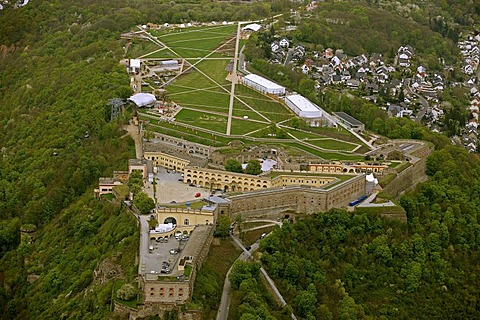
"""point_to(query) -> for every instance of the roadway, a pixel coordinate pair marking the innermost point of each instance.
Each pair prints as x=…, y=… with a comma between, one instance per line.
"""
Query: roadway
x=422, y=100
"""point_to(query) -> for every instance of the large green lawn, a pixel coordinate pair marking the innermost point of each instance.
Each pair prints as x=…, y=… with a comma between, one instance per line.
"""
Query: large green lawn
x=196, y=42
x=240, y=127
x=205, y=120
x=332, y=144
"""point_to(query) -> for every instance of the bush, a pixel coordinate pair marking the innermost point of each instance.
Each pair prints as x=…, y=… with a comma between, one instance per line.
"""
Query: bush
x=127, y=292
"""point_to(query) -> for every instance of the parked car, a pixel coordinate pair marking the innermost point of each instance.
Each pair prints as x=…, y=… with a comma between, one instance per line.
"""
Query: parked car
x=248, y=248
x=197, y=195
x=165, y=270
x=174, y=251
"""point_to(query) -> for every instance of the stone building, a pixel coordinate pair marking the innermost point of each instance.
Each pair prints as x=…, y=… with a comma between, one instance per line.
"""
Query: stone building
x=231, y=181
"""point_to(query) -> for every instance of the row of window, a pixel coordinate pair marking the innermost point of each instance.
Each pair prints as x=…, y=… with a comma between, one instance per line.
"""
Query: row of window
x=219, y=175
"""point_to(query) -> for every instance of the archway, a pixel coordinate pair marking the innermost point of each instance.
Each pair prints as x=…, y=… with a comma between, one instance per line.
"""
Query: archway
x=170, y=220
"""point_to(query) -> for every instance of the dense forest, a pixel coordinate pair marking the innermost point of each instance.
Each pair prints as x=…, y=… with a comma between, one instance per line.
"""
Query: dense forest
x=341, y=265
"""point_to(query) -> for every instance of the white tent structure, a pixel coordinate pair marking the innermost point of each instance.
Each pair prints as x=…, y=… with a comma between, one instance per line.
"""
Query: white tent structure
x=302, y=106
x=143, y=99
x=263, y=85
x=252, y=27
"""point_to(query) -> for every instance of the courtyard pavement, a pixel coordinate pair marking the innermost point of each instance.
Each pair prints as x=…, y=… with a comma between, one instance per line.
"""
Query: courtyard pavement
x=169, y=188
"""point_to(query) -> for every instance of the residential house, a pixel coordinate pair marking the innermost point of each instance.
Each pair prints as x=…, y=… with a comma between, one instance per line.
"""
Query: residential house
x=353, y=84
x=284, y=43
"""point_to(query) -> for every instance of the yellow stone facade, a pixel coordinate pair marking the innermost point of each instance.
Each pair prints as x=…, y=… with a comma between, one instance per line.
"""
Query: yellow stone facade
x=166, y=160
x=231, y=181
x=184, y=219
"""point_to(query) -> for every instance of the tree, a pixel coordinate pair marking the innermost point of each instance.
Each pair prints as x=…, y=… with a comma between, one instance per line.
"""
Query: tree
x=348, y=309
x=126, y=292
x=242, y=270
x=143, y=203
x=223, y=226
x=305, y=302
x=152, y=223
x=135, y=182
x=233, y=165
x=253, y=167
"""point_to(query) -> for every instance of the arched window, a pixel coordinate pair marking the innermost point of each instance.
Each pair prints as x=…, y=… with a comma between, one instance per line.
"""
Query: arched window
x=186, y=222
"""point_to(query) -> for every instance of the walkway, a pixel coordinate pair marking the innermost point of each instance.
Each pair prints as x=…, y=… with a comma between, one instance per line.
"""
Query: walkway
x=134, y=132
x=234, y=82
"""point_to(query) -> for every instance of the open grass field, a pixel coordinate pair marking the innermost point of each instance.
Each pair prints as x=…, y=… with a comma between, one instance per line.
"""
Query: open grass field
x=240, y=127
x=200, y=119
x=196, y=42
x=215, y=69
x=332, y=144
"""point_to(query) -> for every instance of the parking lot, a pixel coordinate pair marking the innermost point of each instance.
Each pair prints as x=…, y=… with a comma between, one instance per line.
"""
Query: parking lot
x=153, y=259
x=170, y=187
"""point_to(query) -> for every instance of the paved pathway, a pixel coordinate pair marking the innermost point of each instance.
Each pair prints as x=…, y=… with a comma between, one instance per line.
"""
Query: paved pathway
x=135, y=134
x=234, y=81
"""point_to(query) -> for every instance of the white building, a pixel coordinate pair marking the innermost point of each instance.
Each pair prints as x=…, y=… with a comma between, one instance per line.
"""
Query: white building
x=263, y=85
x=310, y=112
x=302, y=106
x=134, y=65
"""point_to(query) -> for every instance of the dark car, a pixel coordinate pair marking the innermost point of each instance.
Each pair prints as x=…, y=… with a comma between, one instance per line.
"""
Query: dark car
x=248, y=248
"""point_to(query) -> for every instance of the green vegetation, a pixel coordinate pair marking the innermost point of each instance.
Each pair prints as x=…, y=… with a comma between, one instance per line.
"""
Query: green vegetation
x=251, y=300
x=195, y=42
x=252, y=236
x=360, y=265
x=223, y=226
x=253, y=167
x=210, y=278
x=233, y=165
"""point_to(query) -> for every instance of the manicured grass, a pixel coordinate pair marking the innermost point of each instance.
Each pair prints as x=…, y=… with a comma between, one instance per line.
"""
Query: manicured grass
x=216, y=102
x=300, y=134
x=240, y=110
x=324, y=154
x=215, y=69
x=108, y=196
x=208, y=121
x=273, y=110
x=195, y=42
x=199, y=137
x=240, y=127
x=332, y=144
x=337, y=133
x=162, y=54
x=169, y=35
x=394, y=164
